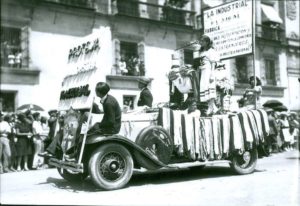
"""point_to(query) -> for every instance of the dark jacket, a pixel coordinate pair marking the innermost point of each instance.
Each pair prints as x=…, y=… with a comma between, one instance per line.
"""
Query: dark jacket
x=273, y=125
x=111, y=121
x=146, y=98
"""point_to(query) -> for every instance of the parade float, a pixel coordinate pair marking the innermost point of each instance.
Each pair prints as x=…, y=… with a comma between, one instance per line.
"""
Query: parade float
x=150, y=139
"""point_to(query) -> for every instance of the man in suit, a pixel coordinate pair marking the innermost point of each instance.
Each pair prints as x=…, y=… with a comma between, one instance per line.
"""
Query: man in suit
x=111, y=121
x=146, y=97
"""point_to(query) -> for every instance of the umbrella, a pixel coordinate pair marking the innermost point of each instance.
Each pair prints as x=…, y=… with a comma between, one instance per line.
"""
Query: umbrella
x=30, y=107
x=280, y=108
x=272, y=103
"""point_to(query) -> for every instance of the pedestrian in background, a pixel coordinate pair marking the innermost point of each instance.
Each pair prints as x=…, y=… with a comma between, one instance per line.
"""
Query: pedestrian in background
x=51, y=149
x=10, y=118
x=5, y=152
x=294, y=130
x=285, y=131
x=272, y=137
x=24, y=144
x=53, y=126
x=279, y=140
x=38, y=141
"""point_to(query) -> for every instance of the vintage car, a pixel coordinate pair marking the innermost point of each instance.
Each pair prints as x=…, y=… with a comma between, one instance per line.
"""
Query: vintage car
x=150, y=139
x=155, y=140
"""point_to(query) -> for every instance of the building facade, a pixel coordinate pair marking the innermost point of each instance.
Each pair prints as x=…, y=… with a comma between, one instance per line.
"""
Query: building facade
x=36, y=37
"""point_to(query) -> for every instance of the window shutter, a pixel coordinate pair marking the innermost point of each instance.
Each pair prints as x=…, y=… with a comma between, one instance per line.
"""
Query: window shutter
x=181, y=57
x=116, y=55
x=25, y=46
x=141, y=53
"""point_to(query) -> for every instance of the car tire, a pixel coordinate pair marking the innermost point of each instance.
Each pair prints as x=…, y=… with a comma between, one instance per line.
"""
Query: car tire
x=244, y=163
x=111, y=166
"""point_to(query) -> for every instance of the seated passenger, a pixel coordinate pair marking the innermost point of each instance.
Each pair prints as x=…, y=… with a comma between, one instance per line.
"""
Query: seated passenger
x=110, y=123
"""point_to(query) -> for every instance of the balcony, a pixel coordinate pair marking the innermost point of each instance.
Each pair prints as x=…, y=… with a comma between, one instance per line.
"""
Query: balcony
x=154, y=12
x=272, y=34
x=88, y=4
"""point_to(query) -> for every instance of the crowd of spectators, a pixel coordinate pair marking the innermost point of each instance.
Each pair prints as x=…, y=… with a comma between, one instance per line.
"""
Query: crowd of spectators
x=284, y=131
x=23, y=135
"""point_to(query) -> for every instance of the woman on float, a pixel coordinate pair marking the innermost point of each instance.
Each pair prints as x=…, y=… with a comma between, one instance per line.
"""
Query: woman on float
x=208, y=57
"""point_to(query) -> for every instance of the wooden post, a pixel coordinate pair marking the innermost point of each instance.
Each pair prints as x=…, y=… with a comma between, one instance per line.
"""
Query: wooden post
x=253, y=45
x=85, y=134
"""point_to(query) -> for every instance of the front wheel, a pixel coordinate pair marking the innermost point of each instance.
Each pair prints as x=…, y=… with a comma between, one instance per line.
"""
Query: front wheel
x=244, y=163
x=111, y=166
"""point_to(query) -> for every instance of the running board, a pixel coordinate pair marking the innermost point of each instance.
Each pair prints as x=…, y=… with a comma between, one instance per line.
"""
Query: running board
x=75, y=167
x=184, y=165
x=195, y=164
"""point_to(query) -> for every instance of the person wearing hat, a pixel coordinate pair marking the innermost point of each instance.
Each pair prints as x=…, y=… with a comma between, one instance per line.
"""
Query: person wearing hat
x=146, y=97
x=252, y=94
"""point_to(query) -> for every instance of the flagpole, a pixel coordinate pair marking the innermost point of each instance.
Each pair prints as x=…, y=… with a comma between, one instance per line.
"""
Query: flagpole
x=253, y=45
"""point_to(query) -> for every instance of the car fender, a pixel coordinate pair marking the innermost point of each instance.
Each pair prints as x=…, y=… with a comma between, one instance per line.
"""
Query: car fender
x=96, y=139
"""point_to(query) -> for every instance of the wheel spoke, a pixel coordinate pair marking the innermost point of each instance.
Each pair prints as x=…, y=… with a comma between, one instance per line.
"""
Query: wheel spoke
x=112, y=166
x=244, y=159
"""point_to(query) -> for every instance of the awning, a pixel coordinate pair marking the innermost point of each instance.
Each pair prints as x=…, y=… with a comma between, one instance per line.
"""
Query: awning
x=211, y=3
x=270, y=14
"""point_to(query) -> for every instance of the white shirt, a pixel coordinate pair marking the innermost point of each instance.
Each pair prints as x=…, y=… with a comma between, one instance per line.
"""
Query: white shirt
x=37, y=127
x=103, y=99
x=4, y=128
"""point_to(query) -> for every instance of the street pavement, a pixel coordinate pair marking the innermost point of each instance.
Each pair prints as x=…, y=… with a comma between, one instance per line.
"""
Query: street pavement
x=275, y=182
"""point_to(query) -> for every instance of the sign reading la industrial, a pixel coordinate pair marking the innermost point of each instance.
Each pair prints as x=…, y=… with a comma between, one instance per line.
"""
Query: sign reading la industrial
x=230, y=27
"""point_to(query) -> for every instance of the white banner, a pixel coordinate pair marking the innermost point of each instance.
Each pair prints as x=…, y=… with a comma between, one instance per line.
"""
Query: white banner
x=230, y=27
x=86, y=62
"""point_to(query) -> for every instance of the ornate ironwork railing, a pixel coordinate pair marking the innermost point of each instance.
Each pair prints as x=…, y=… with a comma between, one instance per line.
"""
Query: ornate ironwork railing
x=77, y=3
x=267, y=32
x=153, y=12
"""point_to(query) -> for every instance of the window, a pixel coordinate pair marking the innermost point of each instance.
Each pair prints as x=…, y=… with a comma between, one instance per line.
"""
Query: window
x=128, y=7
x=14, y=47
x=188, y=56
x=241, y=69
x=270, y=71
x=7, y=101
x=128, y=49
x=129, y=58
x=128, y=103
